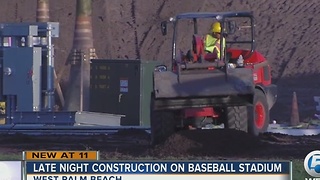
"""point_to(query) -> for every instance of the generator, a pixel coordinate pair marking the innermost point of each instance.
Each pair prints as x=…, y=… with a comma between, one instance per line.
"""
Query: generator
x=117, y=87
x=122, y=87
x=27, y=74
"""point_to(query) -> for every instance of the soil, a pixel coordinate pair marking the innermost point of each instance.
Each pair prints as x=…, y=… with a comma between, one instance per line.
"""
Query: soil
x=192, y=144
x=287, y=33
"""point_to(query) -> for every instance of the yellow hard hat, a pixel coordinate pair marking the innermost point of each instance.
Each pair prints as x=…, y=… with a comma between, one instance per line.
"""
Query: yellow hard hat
x=216, y=27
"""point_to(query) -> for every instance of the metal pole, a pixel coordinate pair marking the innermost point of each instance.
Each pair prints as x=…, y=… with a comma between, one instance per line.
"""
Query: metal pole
x=50, y=77
x=13, y=106
x=10, y=108
x=8, y=111
x=29, y=41
x=81, y=79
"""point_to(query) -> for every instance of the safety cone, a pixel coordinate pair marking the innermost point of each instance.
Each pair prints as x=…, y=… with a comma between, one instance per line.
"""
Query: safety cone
x=294, y=111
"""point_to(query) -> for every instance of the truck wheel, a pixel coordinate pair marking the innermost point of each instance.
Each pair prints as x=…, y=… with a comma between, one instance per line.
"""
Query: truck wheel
x=237, y=118
x=162, y=126
x=259, y=114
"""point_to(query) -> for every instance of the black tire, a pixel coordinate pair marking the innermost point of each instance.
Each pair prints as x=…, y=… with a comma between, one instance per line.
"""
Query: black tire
x=237, y=118
x=259, y=114
x=162, y=126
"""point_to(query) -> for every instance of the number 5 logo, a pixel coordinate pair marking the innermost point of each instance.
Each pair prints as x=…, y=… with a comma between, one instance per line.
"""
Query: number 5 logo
x=312, y=163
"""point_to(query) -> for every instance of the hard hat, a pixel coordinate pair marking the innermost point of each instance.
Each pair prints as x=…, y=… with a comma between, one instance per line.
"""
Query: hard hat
x=216, y=27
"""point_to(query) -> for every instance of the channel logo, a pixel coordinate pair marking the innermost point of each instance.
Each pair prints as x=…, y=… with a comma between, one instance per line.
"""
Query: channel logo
x=312, y=163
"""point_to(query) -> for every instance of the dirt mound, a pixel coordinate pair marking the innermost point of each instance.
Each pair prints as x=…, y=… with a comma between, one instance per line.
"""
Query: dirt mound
x=235, y=144
x=212, y=144
x=208, y=143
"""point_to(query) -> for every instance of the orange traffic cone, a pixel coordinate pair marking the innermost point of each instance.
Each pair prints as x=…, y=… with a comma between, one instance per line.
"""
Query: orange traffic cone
x=294, y=111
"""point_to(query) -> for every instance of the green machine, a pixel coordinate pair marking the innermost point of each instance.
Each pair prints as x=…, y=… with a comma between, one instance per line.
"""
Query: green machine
x=122, y=87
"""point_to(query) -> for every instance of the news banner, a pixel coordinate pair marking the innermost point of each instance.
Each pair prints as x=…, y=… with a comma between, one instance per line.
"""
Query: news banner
x=86, y=165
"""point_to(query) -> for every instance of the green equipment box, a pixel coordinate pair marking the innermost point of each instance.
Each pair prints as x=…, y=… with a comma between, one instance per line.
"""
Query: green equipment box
x=122, y=87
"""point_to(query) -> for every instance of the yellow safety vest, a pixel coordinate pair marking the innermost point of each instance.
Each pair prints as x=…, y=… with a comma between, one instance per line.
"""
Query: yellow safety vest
x=212, y=43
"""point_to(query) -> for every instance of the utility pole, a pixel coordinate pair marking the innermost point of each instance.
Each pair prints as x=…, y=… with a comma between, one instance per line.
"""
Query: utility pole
x=42, y=15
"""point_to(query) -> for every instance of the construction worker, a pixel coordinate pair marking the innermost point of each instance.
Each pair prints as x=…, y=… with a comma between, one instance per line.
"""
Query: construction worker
x=212, y=43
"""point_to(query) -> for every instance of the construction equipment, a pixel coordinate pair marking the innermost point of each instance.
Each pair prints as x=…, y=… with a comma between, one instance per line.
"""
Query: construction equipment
x=27, y=74
x=234, y=92
x=120, y=89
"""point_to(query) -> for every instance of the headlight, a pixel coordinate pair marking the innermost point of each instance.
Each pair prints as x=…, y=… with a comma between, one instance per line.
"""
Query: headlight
x=160, y=68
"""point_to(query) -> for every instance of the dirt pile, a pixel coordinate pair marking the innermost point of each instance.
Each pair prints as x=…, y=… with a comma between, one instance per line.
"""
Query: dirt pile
x=208, y=143
x=135, y=144
x=287, y=34
x=235, y=144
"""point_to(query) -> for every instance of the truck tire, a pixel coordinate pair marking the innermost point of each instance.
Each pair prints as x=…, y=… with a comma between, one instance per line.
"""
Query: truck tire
x=162, y=126
x=237, y=118
x=259, y=114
